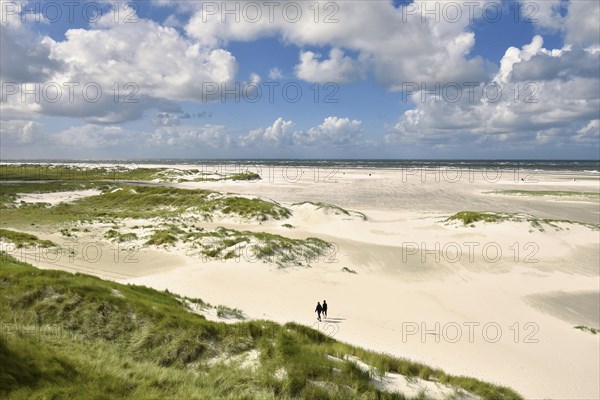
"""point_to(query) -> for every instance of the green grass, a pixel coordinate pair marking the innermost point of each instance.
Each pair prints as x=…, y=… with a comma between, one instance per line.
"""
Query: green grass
x=65, y=172
x=73, y=173
x=162, y=237
x=469, y=217
x=582, y=328
x=224, y=244
x=117, y=202
x=228, y=312
x=76, y=336
x=113, y=234
x=550, y=193
x=244, y=176
x=10, y=190
x=21, y=239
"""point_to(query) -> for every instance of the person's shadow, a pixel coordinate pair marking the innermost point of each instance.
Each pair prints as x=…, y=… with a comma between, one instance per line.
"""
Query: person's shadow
x=333, y=320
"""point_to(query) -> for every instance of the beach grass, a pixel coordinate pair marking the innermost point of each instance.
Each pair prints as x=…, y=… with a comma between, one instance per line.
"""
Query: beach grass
x=21, y=239
x=114, y=235
x=593, y=331
x=140, y=202
x=228, y=312
x=550, y=193
x=117, y=173
x=470, y=217
x=224, y=243
x=76, y=336
x=74, y=173
x=9, y=191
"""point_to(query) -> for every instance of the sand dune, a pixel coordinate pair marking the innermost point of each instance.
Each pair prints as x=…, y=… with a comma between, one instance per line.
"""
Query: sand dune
x=496, y=301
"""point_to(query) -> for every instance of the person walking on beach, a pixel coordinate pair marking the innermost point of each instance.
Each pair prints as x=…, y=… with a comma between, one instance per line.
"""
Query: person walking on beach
x=318, y=310
x=324, y=309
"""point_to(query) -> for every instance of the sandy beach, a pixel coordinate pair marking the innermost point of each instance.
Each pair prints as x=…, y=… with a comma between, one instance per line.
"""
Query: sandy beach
x=496, y=301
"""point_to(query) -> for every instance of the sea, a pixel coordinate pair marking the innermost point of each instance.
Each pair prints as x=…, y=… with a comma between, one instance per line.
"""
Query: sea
x=591, y=167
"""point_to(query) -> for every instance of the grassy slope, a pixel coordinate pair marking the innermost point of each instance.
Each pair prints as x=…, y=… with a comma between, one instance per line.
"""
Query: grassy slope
x=21, y=239
x=469, y=217
x=66, y=336
x=137, y=202
x=35, y=172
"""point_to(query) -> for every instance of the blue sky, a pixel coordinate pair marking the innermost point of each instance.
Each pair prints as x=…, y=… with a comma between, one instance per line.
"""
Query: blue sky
x=425, y=79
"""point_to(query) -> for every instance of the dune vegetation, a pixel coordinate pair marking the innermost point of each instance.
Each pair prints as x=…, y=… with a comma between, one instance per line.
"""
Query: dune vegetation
x=571, y=195
x=20, y=239
x=70, y=335
x=123, y=201
x=224, y=244
x=125, y=172
x=470, y=217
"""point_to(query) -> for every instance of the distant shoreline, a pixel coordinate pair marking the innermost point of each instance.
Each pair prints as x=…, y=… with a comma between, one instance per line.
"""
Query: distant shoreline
x=583, y=167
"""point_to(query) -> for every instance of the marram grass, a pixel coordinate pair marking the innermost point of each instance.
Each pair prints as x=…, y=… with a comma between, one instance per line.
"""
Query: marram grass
x=75, y=336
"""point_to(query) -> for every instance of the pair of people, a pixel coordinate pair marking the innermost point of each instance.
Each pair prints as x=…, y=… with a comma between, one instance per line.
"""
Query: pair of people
x=321, y=309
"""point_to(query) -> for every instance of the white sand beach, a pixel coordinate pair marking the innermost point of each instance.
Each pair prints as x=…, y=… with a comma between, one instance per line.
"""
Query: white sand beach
x=496, y=301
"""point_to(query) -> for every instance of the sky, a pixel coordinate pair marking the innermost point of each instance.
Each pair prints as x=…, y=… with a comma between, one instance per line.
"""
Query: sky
x=397, y=79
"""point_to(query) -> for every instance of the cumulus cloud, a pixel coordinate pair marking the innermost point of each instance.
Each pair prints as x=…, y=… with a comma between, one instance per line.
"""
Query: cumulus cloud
x=589, y=134
x=338, y=68
x=576, y=20
x=397, y=43
x=540, y=96
x=19, y=132
x=279, y=134
x=581, y=24
x=24, y=58
x=275, y=73
x=514, y=55
x=112, y=72
x=334, y=131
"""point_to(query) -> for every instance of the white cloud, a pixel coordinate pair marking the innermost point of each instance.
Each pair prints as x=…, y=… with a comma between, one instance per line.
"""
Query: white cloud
x=24, y=58
x=332, y=131
x=395, y=44
x=275, y=74
x=279, y=134
x=157, y=59
x=548, y=108
x=581, y=24
x=337, y=68
x=19, y=132
x=589, y=134
x=137, y=66
x=513, y=56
